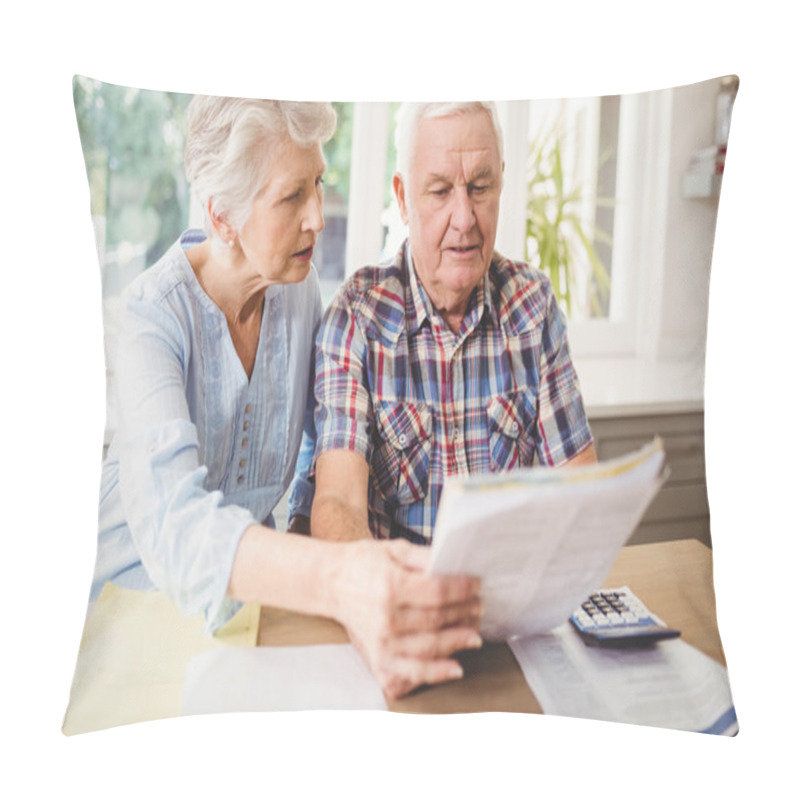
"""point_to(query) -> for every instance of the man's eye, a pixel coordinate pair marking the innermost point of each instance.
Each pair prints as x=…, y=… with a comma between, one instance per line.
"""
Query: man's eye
x=479, y=189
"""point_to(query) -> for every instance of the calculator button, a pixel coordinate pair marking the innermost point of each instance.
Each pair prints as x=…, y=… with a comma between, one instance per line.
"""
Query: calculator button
x=616, y=619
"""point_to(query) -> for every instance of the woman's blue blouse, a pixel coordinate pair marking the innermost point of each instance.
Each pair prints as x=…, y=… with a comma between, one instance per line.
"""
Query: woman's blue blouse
x=200, y=452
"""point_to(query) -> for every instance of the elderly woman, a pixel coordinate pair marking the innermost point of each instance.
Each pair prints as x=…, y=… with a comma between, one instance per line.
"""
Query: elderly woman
x=216, y=350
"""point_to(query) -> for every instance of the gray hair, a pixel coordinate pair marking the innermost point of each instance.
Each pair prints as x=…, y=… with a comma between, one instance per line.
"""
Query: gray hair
x=411, y=114
x=229, y=141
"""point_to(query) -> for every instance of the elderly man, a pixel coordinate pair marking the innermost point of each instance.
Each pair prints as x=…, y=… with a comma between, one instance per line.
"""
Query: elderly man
x=451, y=361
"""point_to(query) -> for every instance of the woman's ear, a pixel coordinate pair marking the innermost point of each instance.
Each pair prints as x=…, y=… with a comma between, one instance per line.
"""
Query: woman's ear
x=221, y=226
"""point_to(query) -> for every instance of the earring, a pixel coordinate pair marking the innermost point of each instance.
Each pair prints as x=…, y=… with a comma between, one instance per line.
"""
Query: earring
x=230, y=243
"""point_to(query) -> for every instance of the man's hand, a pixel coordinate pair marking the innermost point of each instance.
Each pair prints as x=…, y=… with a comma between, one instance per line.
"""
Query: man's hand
x=406, y=624
x=586, y=456
x=299, y=524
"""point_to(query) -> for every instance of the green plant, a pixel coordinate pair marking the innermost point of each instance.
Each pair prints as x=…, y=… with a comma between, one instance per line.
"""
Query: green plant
x=555, y=234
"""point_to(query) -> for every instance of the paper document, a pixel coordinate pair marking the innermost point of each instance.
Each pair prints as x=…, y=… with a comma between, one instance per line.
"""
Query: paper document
x=542, y=539
x=668, y=685
x=133, y=656
x=313, y=678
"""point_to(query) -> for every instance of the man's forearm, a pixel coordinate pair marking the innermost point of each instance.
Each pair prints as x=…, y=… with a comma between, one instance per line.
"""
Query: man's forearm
x=334, y=519
x=339, y=511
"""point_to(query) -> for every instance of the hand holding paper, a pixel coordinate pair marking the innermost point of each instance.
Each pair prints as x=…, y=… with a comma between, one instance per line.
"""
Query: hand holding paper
x=541, y=540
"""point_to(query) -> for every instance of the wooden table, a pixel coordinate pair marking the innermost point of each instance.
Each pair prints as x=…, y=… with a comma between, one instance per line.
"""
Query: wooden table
x=673, y=579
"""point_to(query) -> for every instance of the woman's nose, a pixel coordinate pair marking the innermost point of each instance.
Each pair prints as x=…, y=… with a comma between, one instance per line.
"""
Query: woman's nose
x=315, y=220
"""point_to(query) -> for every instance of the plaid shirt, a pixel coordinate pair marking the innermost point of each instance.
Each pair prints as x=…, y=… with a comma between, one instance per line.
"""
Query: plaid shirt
x=420, y=402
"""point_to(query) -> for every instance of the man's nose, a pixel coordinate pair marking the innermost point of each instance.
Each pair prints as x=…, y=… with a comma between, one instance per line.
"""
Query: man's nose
x=463, y=215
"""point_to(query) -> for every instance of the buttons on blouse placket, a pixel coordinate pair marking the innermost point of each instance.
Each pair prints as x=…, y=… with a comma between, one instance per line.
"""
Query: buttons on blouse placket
x=243, y=459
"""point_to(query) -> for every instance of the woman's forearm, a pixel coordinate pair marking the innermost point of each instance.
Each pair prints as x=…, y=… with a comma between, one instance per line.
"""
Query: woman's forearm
x=284, y=570
x=407, y=624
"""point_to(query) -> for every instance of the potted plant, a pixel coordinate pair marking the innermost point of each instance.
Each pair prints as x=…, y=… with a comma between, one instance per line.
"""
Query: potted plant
x=556, y=239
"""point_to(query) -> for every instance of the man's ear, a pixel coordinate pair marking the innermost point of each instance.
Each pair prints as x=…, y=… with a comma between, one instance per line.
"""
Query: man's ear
x=400, y=193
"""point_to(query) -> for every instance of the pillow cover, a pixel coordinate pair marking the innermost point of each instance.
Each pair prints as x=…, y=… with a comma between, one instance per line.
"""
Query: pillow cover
x=615, y=200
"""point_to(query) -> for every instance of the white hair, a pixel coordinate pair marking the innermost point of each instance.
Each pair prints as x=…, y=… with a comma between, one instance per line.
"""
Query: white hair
x=229, y=142
x=410, y=115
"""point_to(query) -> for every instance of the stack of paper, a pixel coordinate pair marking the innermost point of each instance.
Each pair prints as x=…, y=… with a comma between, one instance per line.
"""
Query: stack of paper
x=542, y=539
x=669, y=685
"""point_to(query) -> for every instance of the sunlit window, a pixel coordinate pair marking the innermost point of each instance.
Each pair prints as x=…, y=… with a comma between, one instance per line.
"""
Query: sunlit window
x=133, y=145
x=571, y=178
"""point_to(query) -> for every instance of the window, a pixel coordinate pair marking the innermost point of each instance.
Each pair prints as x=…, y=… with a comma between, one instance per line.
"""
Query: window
x=331, y=250
x=133, y=148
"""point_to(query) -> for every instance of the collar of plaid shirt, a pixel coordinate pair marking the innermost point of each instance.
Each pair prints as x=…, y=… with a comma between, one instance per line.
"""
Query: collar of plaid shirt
x=419, y=307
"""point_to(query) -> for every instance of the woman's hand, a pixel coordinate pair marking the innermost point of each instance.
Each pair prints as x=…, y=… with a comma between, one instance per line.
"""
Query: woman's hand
x=406, y=624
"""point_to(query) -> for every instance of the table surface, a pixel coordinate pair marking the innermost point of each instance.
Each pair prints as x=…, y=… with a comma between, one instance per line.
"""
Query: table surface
x=673, y=579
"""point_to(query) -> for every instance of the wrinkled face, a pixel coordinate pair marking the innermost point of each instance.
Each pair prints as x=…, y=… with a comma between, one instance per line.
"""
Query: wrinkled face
x=278, y=239
x=450, y=201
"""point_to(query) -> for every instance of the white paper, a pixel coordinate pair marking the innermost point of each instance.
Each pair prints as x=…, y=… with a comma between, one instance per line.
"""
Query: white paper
x=312, y=678
x=542, y=540
x=668, y=685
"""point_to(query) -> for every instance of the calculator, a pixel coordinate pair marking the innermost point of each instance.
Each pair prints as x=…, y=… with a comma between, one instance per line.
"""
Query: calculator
x=618, y=618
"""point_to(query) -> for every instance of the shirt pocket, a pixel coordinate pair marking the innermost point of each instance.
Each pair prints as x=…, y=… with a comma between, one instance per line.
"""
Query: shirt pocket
x=512, y=428
x=401, y=460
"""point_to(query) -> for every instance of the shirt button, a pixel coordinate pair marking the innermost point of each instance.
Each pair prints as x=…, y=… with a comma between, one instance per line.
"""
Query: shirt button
x=246, y=425
x=240, y=479
x=242, y=463
x=247, y=408
x=515, y=429
x=402, y=438
x=456, y=434
x=244, y=442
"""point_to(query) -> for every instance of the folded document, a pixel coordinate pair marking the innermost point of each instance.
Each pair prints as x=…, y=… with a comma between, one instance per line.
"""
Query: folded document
x=670, y=685
x=542, y=539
